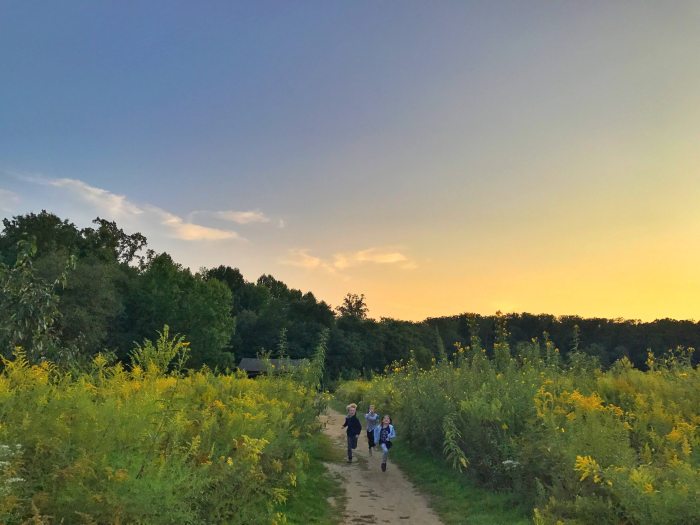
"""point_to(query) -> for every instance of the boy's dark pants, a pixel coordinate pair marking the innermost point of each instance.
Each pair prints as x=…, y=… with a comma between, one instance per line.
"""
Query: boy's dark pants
x=370, y=438
x=352, y=444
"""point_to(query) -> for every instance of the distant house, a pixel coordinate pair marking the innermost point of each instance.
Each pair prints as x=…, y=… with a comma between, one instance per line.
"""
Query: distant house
x=254, y=367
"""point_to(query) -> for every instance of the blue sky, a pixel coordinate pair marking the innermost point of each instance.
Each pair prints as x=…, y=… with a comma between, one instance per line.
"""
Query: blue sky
x=438, y=157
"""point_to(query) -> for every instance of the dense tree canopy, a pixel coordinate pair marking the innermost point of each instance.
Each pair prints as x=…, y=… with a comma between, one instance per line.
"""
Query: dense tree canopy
x=75, y=292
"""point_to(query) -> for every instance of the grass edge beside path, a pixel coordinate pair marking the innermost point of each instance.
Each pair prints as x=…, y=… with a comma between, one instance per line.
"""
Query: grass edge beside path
x=309, y=502
x=454, y=497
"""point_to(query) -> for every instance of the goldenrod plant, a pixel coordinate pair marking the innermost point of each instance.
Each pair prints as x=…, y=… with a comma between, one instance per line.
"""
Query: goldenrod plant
x=580, y=444
x=151, y=443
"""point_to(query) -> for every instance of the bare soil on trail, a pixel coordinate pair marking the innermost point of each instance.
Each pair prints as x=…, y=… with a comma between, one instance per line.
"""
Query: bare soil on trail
x=374, y=496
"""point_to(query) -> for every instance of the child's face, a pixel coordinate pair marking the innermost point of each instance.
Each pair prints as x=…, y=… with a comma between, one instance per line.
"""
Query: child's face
x=351, y=411
x=371, y=409
x=386, y=420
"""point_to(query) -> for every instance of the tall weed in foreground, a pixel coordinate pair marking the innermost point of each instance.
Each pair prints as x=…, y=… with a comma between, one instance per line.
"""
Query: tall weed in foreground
x=580, y=444
x=145, y=445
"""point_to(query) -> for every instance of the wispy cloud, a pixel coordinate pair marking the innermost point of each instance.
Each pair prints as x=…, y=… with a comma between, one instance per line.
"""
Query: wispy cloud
x=345, y=260
x=119, y=207
x=193, y=232
x=8, y=200
x=371, y=255
x=243, y=217
x=239, y=217
x=116, y=205
x=302, y=259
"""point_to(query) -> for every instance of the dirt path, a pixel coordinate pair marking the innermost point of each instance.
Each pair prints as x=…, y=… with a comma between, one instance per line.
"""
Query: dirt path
x=374, y=496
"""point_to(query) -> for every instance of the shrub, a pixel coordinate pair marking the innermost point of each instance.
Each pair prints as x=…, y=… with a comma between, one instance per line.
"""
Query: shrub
x=580, y=444
x=111, y=445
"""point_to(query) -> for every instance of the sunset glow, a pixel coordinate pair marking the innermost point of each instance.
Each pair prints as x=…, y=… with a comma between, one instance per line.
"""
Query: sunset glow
x=540, y=157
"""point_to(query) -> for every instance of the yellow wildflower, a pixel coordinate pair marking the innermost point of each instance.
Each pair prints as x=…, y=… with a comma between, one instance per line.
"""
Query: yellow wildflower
x=588, y=467
x=675, y=435
x=592, y=402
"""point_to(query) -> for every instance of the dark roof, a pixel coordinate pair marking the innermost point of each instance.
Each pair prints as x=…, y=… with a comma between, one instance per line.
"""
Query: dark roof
x=251, y=364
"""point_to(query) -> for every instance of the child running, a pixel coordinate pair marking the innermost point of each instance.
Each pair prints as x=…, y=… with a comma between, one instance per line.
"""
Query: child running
x=383, y=435
x=372, y=417
x=354, y=428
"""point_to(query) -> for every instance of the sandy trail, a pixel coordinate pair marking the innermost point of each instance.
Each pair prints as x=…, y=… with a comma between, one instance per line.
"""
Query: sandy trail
x=374, y=496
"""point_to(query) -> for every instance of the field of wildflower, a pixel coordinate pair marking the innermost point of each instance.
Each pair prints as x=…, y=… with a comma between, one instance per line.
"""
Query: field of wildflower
x=151, y=443
x=580, y=444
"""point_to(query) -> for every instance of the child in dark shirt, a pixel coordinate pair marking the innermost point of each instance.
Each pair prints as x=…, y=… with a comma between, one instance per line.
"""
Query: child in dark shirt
x=354, y=428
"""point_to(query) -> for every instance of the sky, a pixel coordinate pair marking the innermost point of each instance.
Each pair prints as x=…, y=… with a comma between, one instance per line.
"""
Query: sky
x=437, y=157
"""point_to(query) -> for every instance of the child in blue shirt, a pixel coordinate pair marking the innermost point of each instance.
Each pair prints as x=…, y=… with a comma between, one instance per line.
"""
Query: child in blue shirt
x=383, y=435
x=372, y=421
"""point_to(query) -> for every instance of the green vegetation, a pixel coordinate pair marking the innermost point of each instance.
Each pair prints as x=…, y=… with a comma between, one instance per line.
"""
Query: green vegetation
x=148, y=445
x=577, y=444
x=454, y=496
x=95, y=428
x=100, y=289
x=309, y=503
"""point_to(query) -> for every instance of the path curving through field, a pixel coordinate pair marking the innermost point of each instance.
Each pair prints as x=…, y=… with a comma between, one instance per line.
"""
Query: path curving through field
x=374, y=496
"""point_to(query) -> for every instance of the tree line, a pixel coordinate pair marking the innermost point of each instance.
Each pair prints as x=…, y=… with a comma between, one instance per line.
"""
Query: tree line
x=69, y=292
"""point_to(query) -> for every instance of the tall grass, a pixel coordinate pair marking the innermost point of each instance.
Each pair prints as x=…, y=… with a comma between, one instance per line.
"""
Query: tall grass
x=455, y=497
x=578, y=444
x=151, y=444
x=319, y=497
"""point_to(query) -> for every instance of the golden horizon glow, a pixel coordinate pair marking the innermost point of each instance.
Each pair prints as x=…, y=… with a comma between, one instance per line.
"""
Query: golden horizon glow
x=460, y=158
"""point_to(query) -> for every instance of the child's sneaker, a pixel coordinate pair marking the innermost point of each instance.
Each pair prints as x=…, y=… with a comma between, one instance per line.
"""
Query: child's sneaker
x=370, y=451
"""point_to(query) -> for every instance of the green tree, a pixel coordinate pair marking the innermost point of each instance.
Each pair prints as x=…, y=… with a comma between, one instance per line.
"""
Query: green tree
x=111, y=242
x=200, y=309
x=47, y=232
x=353, y=307
x=91, y=301
x=29, y=307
